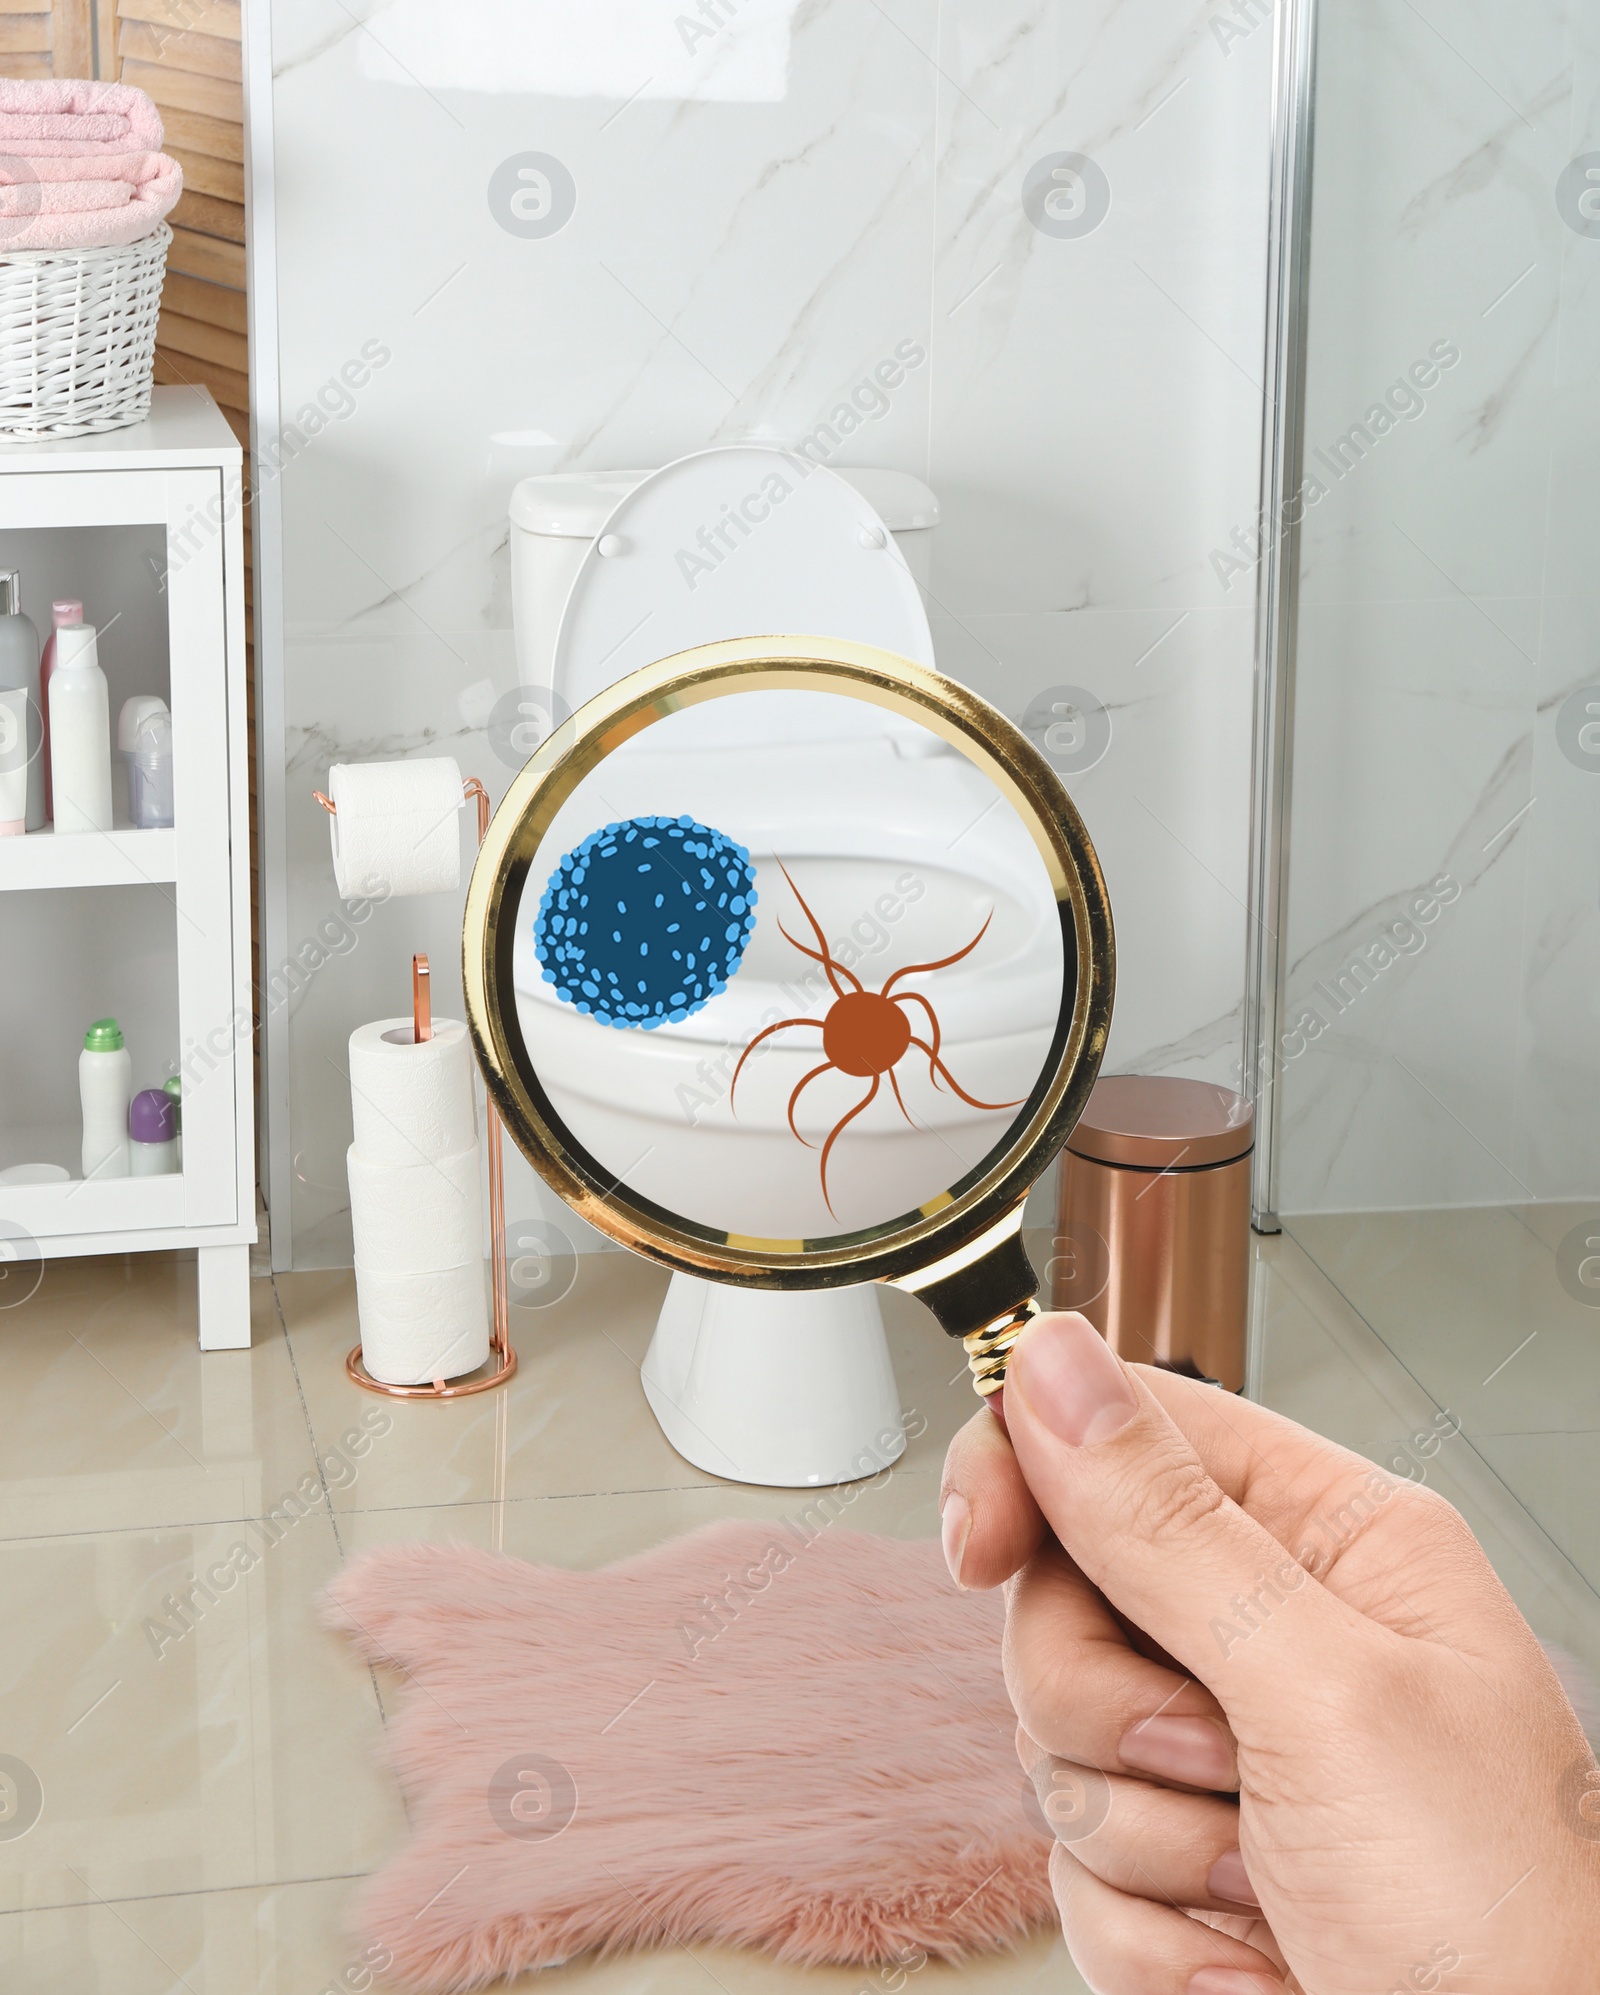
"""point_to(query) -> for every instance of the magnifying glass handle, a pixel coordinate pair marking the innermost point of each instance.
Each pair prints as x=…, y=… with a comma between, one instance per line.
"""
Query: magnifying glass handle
x=985, y=1293
x=989, y=1348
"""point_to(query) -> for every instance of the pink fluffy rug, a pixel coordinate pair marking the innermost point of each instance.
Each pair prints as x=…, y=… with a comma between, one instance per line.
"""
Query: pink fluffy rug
x=758, y=1735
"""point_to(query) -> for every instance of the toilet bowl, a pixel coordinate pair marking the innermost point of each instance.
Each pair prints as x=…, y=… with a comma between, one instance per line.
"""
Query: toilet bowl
x=662, y=1109
x=613, y=573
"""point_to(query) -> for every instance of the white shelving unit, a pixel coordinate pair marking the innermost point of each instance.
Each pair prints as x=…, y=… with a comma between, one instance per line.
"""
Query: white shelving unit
x=151, y=927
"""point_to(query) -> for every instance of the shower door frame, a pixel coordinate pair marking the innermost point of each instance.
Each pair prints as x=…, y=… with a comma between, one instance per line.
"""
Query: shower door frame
x=1278, y=586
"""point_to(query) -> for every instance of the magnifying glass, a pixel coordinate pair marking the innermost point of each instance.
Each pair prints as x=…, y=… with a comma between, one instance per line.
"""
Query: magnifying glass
x=789, y=964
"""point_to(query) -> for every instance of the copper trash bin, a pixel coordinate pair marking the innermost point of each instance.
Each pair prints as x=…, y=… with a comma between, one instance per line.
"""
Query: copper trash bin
x=1153, y=1240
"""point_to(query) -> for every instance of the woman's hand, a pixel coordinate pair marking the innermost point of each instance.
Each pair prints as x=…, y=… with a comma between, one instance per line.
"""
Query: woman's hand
x=1210, y=1602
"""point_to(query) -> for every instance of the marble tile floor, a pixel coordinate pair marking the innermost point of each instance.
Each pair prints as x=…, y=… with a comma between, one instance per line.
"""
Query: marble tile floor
x=211, y=1793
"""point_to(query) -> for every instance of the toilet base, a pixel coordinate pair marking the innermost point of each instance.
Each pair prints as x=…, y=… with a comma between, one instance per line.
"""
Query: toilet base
x=788, y=1391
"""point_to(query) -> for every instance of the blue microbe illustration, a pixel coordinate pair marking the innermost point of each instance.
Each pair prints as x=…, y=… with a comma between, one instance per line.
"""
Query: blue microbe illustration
x=646, y=920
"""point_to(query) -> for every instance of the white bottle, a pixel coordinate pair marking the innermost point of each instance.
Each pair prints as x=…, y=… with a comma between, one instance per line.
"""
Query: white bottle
x=150, y=772
x=19, y=676
x=144, y=739
x=16, y=712
x=80, y=734
x=152, y=1134
x=105, y=1086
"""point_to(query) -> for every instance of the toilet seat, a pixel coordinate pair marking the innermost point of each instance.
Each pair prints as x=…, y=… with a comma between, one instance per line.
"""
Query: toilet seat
x=735, y=541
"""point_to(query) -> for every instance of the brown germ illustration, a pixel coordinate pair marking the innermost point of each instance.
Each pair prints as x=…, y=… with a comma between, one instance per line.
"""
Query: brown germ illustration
x=865, y=1033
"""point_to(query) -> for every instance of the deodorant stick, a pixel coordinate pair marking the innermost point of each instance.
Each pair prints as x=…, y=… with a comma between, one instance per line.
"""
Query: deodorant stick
x=105, y=1085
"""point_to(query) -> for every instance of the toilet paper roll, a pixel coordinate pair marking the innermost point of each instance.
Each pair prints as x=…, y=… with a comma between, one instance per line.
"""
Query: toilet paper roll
x=412, y=1104
x=412, y=1218
x=415, y=1328
x=394, y=827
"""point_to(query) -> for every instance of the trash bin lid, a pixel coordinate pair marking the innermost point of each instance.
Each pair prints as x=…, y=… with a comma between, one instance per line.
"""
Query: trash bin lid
x=1158, y=1122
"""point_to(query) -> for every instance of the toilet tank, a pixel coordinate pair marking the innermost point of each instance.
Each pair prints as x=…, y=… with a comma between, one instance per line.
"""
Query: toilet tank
x=555, y=518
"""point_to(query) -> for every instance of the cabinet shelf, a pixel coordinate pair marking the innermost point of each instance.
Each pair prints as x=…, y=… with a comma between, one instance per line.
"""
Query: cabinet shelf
x=121, y=857
x=99, y=1206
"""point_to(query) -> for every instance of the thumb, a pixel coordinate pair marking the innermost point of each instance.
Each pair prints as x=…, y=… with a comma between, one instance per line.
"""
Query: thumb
x=1133, y=1503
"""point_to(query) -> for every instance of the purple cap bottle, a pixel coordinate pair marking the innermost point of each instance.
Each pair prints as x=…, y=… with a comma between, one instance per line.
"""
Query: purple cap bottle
x=153, y=1134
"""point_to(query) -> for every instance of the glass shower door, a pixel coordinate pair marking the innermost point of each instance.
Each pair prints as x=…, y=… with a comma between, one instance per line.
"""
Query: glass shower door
x=1438, y=1073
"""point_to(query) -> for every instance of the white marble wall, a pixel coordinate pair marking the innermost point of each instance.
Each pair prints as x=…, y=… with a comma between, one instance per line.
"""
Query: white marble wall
x=1450, y=606
x=762, y=214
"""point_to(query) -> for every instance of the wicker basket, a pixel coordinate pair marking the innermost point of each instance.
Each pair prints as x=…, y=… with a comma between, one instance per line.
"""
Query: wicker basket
x=78, y=337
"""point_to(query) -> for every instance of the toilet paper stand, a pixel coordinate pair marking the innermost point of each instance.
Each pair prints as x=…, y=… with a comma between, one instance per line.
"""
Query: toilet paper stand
x=500, y=1339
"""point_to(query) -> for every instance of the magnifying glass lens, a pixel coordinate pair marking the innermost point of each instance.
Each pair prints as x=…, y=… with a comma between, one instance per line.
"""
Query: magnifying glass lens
x=788, y=967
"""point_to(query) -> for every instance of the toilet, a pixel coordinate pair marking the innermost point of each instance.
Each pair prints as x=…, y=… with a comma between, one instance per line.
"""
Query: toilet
x=610, y=573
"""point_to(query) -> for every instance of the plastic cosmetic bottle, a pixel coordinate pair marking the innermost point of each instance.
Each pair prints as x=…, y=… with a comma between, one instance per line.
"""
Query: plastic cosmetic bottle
x=19, y=672
x=134, y=712
x=150, y=771
x=80, y=733
x=105, y=1086
x=144, y=739
x=16, y=711
x=61, y=614
x=152, y=1134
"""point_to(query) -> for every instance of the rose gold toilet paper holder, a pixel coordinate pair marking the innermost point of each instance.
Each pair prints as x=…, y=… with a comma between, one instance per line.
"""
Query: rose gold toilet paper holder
x=500, y=1340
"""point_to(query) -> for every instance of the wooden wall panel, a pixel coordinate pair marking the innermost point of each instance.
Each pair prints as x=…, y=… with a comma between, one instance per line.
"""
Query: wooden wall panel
x=213, y=138
x=182, y=89
x=197, y=254
x=204, y=175
x=201, y=17
x=211, y=302
x=175, y=49
x=25, y=34
x=28, y=40
x=72, y=40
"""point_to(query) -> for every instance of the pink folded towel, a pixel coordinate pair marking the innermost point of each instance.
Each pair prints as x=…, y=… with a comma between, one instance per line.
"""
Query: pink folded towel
x=89, y=213
x=80, y=165
x=133, y=167
x=56, y=117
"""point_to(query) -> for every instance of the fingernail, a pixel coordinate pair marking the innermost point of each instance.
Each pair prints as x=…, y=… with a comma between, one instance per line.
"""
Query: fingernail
x=1066, y=1372
x=955, y=1527
x=1188, y=1749
x=1229, y=1879
x=1232, y=1981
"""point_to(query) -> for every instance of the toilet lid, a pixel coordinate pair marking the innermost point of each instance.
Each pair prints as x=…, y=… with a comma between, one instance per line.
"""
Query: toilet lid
x=740, y=541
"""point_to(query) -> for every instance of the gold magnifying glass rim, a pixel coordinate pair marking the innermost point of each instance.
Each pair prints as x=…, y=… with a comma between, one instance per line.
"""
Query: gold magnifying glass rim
x=945, y=1225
